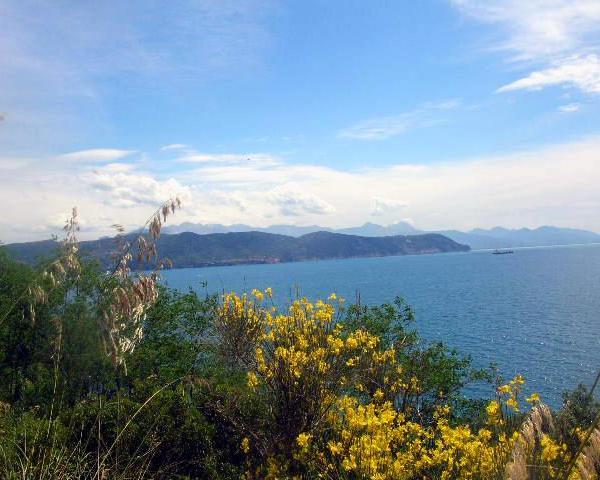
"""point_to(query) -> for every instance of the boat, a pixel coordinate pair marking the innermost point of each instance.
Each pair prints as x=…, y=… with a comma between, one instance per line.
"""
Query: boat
x=502, y=252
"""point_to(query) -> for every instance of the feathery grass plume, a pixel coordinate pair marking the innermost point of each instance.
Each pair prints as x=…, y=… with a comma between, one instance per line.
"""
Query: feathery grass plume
x=528, y=448
x=588, y=463
x=128, y=297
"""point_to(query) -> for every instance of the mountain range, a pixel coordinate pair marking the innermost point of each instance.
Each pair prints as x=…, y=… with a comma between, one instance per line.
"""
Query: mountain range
x=200, y=250
x=497, y=237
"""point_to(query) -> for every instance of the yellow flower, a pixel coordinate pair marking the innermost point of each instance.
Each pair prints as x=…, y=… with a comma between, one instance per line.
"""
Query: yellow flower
x=335, y=447
x=534, y=398
x=550, y=449
x=258, y=295
x=245, y=445
x=269, y=292
x=252, y=380
x=303, y=440
x=493, y=410
x=512, y=403
x=505, y=389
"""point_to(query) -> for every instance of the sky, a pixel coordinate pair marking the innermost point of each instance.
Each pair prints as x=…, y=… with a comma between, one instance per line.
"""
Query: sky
x=442, y=113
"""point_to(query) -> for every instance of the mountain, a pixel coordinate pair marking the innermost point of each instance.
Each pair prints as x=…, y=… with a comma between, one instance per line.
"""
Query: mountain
x=194, y=250
x=203, y=229
x=366, y=230
x=499, y=237
x=478, y=238
x=374, y=230
x=285, y=243
x=475, y=241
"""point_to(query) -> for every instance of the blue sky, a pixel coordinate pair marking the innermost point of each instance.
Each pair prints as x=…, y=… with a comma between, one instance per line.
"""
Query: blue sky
x=445, y=113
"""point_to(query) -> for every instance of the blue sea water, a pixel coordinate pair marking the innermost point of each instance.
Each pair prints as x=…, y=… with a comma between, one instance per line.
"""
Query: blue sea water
x=536, y=312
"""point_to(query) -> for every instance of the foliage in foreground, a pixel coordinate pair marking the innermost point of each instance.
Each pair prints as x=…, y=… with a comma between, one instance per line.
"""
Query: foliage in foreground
x=107, y=375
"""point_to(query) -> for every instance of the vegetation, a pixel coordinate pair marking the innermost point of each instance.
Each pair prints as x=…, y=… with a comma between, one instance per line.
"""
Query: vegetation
x=108, y=375
x=193, y=250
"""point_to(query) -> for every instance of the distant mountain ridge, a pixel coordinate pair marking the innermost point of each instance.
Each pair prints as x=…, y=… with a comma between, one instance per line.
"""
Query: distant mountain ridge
x=366, y=230
x=497, y=237
x=546, y=235
x=212, y=249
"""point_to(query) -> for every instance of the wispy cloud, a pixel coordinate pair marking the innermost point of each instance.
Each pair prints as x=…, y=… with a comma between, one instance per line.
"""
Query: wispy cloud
x=96, y=155
x=175, y=146
x=264, y=159
x=569, y=108
x=381, y=128
x=561, y=36
x=538, y=28
x=580, y=72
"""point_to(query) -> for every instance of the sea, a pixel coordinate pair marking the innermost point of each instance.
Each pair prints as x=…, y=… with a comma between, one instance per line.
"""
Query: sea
x=535, y=312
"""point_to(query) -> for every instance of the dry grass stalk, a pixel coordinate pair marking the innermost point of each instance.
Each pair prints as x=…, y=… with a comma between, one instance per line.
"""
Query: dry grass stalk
x=538, y=422
x=128, y=297
x=588, y=463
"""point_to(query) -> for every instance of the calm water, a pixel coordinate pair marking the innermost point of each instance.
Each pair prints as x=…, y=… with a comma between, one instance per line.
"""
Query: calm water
x=536, y=312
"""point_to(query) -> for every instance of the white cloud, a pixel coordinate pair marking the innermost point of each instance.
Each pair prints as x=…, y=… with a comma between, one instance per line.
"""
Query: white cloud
x=551, y=185
x=264, y=159
x=295, y=204
x=569, y=108
x=580, y=72
x=123, y=189
x=96, y=155
x=382, y=128
x=118, y=167
x=560, y=36
x=175, y=146
x=383, y=206
x=538, y=28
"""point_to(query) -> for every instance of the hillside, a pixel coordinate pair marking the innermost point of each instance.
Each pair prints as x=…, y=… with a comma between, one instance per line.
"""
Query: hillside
x=194, y=250
x=478, y=238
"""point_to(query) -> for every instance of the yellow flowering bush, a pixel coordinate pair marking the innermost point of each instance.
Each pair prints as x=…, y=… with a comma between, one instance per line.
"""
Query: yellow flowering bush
x=335, y=405
x=372, y=441
x=375, y=441
x=239, y=324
